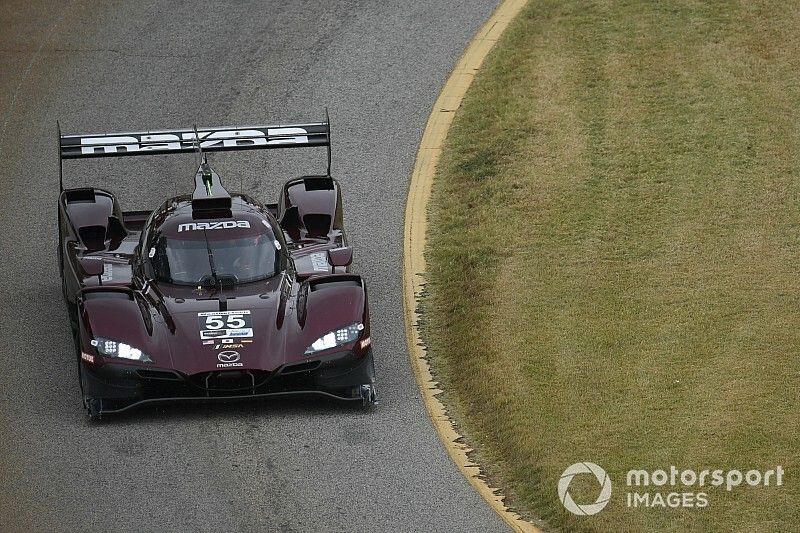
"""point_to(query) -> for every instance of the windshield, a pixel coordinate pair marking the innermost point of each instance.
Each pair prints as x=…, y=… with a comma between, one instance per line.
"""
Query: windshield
x=188, y=262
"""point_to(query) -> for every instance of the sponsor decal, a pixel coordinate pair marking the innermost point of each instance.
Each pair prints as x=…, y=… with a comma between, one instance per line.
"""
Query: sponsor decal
x=185, y=141
x=228, y=224
x=319, y=261
x=89, y=358
x=225, y=324
x=108, y=272
x=225, y=333
x=229, y=356
x=247, y=332
x=212, y=334
x=224, y=313
x=226, y=346
x=228, y=359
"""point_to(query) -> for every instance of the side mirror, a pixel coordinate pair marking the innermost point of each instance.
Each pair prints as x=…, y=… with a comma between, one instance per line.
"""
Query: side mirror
x=340, y=257
x=92, y=266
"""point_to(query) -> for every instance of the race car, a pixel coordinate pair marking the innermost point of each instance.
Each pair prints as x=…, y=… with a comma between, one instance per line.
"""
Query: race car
x=212, y=295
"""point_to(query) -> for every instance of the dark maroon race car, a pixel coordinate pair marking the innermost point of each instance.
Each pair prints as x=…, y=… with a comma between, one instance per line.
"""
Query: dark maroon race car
x=212, y=295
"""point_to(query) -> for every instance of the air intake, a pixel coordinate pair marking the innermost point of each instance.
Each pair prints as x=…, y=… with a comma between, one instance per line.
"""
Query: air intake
x=209, y=194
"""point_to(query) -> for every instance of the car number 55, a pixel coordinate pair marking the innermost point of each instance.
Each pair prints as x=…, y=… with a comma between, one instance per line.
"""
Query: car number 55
x=229, y=321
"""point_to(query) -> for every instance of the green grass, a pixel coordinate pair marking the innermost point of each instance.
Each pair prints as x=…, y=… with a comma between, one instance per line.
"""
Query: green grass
x=614, y=256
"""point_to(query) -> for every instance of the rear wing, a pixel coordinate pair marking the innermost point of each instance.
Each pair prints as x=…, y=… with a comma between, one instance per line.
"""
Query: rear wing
x=217, y=139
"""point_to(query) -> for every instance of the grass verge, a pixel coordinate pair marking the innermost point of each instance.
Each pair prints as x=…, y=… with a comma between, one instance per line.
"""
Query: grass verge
x=614, y=246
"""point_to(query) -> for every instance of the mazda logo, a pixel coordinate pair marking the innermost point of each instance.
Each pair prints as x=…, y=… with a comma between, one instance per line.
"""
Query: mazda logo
x=228, y=357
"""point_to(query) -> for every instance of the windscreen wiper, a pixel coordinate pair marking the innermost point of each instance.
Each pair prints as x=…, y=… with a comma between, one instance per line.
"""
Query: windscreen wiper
x=211, y=261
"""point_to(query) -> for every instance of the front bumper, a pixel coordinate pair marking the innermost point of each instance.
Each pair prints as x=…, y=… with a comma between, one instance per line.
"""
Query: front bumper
x=114, y=388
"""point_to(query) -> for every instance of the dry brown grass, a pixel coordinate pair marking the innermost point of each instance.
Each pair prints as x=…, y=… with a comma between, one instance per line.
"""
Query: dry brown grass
x=614, y=255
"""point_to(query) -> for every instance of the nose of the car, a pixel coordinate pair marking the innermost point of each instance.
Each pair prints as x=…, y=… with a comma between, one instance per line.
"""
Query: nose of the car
x=246, y=335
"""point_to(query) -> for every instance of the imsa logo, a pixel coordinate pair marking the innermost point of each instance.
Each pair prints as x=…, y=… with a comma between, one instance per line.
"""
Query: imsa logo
x=228, y=224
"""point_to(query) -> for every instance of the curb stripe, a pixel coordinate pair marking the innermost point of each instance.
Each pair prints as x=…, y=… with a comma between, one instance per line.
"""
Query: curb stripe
x=414, y=240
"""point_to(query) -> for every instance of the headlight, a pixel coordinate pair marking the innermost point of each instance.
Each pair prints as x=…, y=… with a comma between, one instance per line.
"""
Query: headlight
x=336, y=338
x=121, y=350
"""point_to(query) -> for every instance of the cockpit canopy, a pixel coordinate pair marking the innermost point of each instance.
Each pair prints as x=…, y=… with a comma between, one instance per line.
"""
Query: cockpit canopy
x=185, y=250
x=201, y=262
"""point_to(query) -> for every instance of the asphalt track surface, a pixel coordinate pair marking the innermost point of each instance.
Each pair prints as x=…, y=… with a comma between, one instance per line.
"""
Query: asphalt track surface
x=288, y=465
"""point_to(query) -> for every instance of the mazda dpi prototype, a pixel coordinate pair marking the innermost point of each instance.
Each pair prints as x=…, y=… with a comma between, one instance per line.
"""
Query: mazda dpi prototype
x=212, y=295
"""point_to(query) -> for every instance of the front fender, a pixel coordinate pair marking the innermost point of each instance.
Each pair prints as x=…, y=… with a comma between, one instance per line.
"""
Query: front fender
x=326, y=303
x=122, y=315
